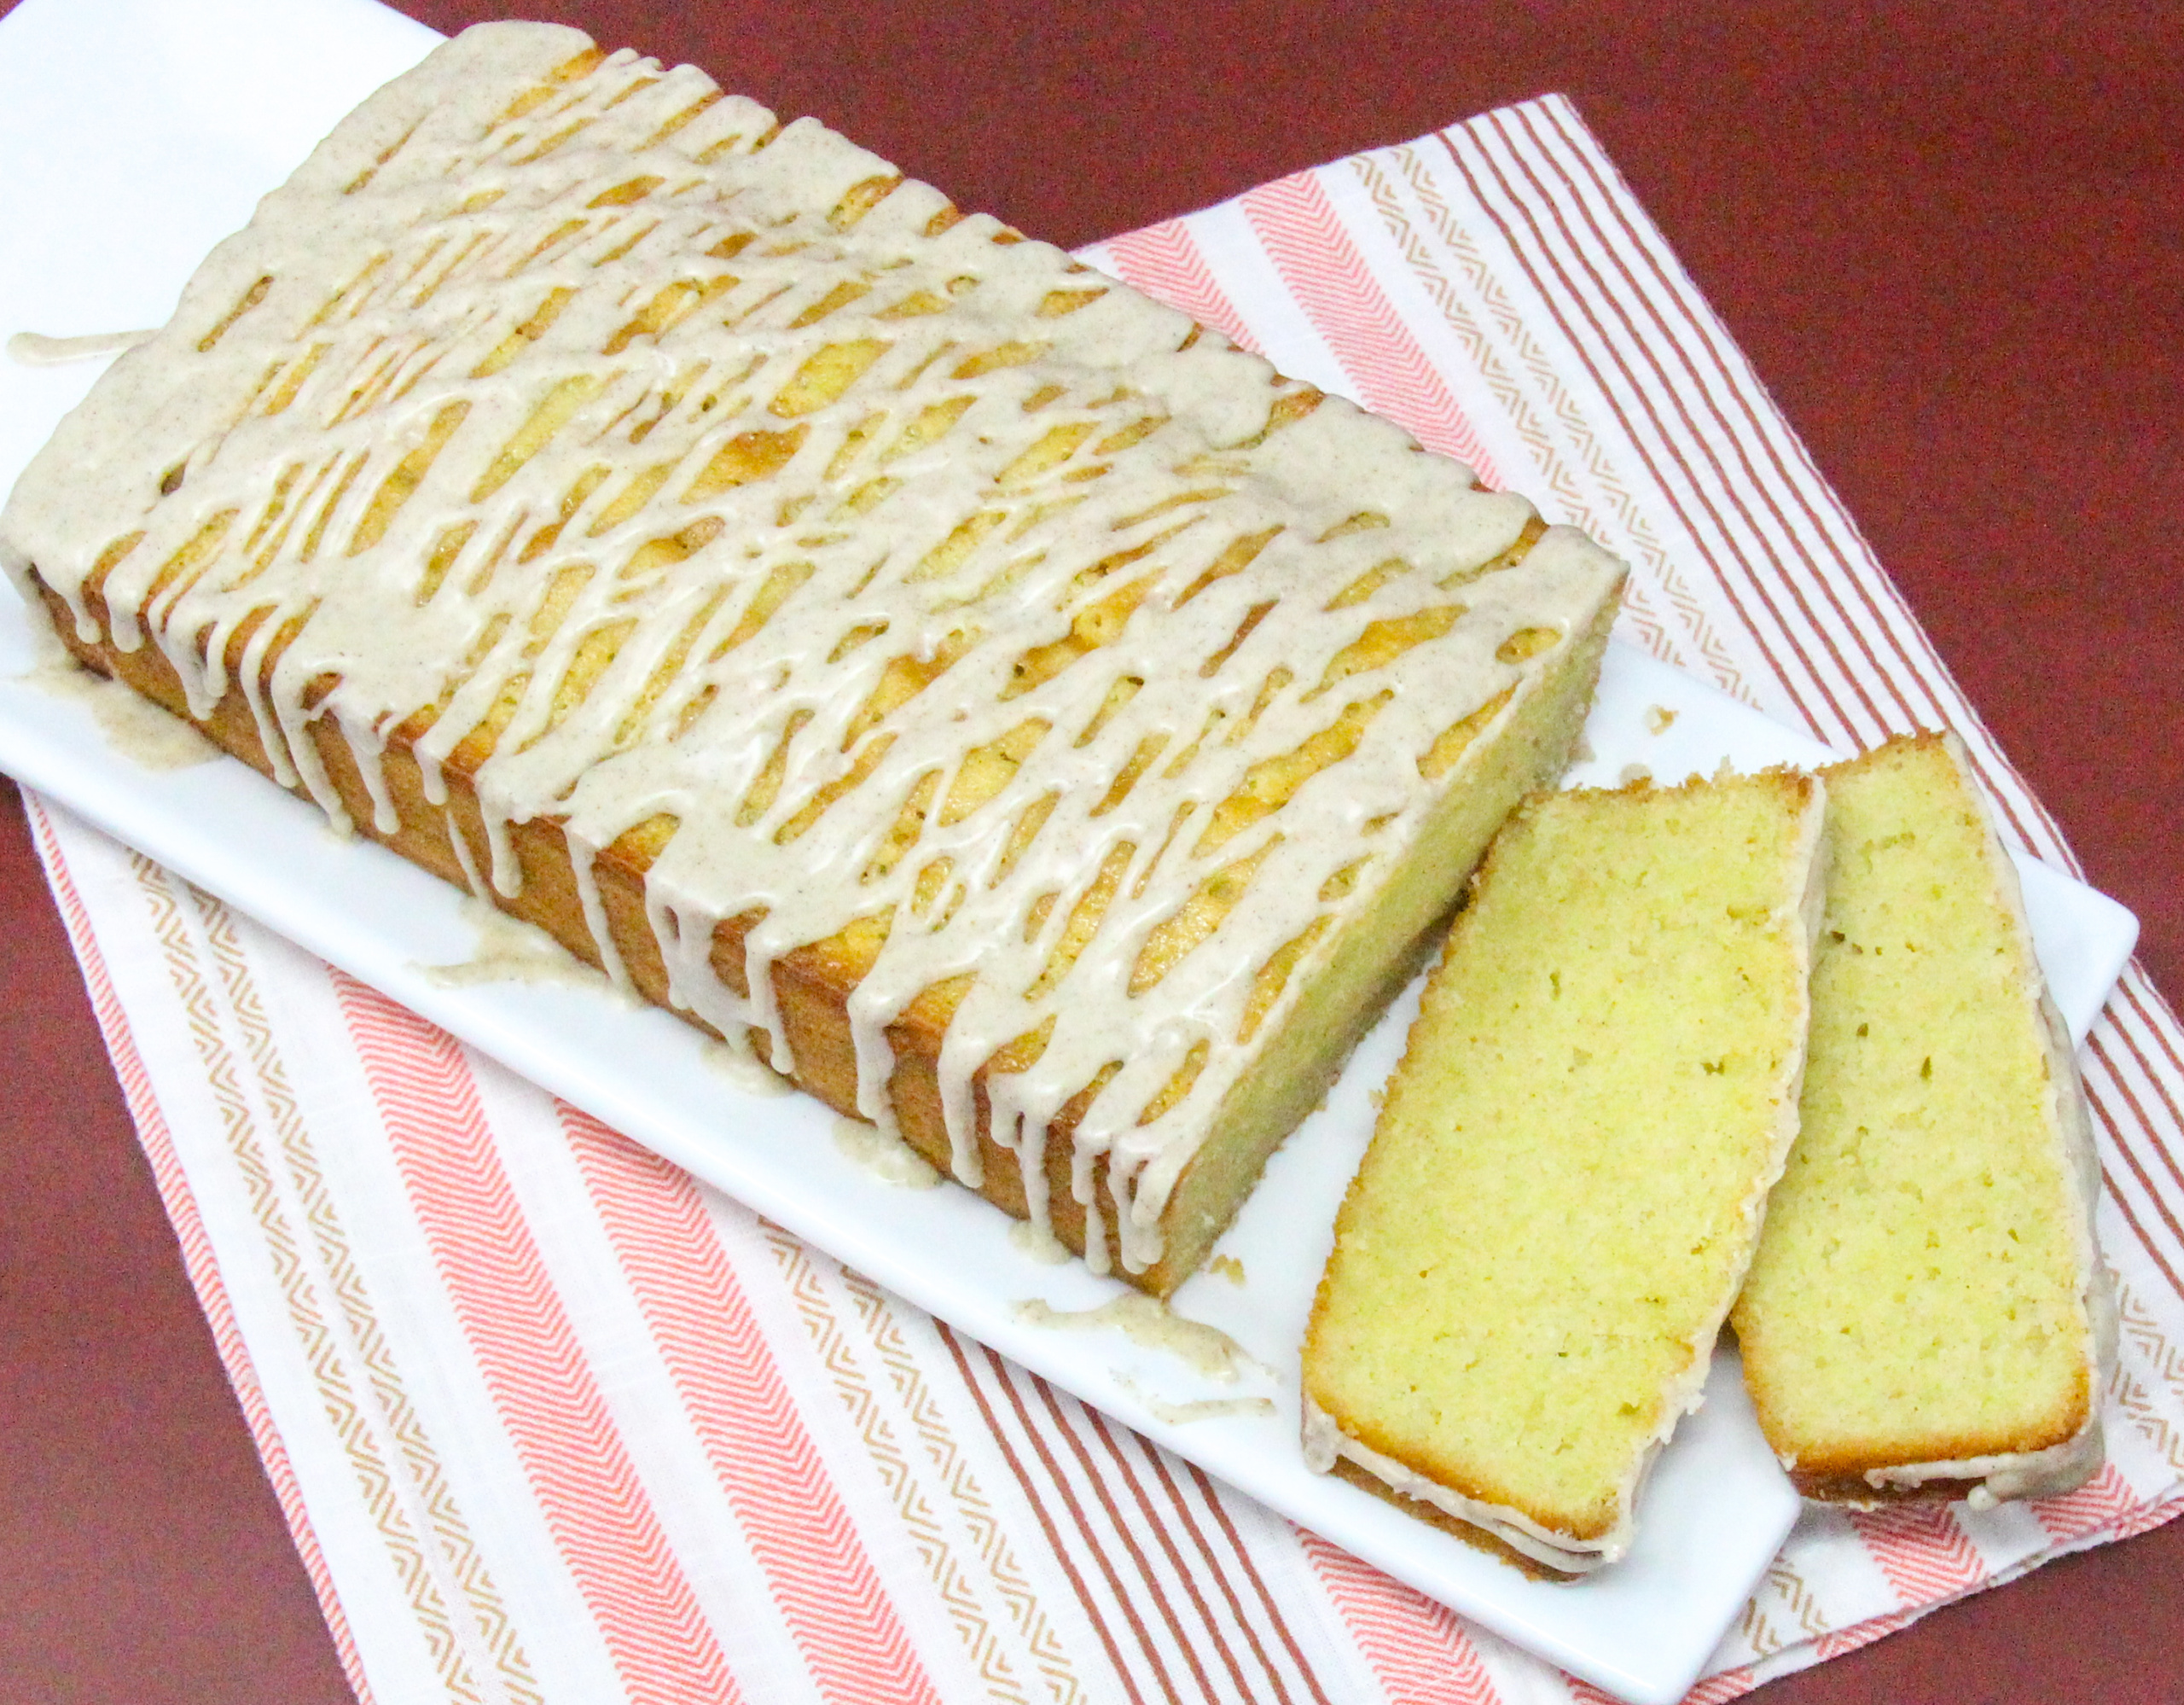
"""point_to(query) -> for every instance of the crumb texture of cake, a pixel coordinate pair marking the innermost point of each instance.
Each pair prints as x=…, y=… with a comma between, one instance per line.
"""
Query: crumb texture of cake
x=1927, y=1314
x=1026, y=719
x=1566, y=1181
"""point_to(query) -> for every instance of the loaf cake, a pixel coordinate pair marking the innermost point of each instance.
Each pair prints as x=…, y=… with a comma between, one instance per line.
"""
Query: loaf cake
x=1025, y=719
x=1566, y=1180
x=1927, y=1314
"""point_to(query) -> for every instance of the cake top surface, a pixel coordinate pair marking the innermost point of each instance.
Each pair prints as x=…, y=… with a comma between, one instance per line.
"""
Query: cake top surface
x=689, y=476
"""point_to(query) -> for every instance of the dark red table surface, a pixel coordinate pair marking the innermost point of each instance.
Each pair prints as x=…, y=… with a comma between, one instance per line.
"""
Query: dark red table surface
x=1950, y=239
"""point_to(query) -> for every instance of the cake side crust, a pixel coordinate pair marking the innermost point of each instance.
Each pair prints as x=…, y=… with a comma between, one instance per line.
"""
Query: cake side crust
x=1528, y=748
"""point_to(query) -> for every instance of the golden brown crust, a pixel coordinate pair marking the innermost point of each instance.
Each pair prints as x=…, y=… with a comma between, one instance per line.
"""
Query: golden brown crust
x=1852, y=1487
x=1839, y=1475
x=1455, y=1527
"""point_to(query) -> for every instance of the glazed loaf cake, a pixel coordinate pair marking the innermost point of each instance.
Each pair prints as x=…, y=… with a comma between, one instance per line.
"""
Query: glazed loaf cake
x=1028, y=721
x=1567, y=1182
x=1928, y=1315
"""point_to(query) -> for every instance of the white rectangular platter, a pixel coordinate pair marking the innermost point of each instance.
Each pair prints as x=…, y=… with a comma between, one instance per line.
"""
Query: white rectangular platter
x=136, y=133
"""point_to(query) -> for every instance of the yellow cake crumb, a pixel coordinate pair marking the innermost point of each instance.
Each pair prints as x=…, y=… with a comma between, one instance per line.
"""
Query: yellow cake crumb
x=1565, y=1184
x=1925, y=1295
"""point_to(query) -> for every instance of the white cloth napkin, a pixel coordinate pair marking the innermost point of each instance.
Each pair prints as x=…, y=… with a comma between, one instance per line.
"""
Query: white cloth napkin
x=551, y=1421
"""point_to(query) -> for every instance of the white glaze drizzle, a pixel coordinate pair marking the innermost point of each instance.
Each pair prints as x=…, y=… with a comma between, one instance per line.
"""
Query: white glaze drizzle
x=1151, y=1325
x=508, y=950
x=1197, y=1408
x=133, y=725
x=36, y=349
x=364, y=473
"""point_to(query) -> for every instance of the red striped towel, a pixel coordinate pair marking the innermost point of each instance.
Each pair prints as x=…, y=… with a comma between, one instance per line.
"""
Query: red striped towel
x=549, y=1419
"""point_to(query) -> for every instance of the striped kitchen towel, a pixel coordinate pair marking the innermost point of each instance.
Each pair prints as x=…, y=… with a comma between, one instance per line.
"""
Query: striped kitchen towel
x=551, y=1421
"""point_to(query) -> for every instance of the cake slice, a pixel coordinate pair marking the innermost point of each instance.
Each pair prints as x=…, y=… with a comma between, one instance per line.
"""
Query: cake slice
x=1024, y=718
x=1566, y=1181
x=1928, y=1315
